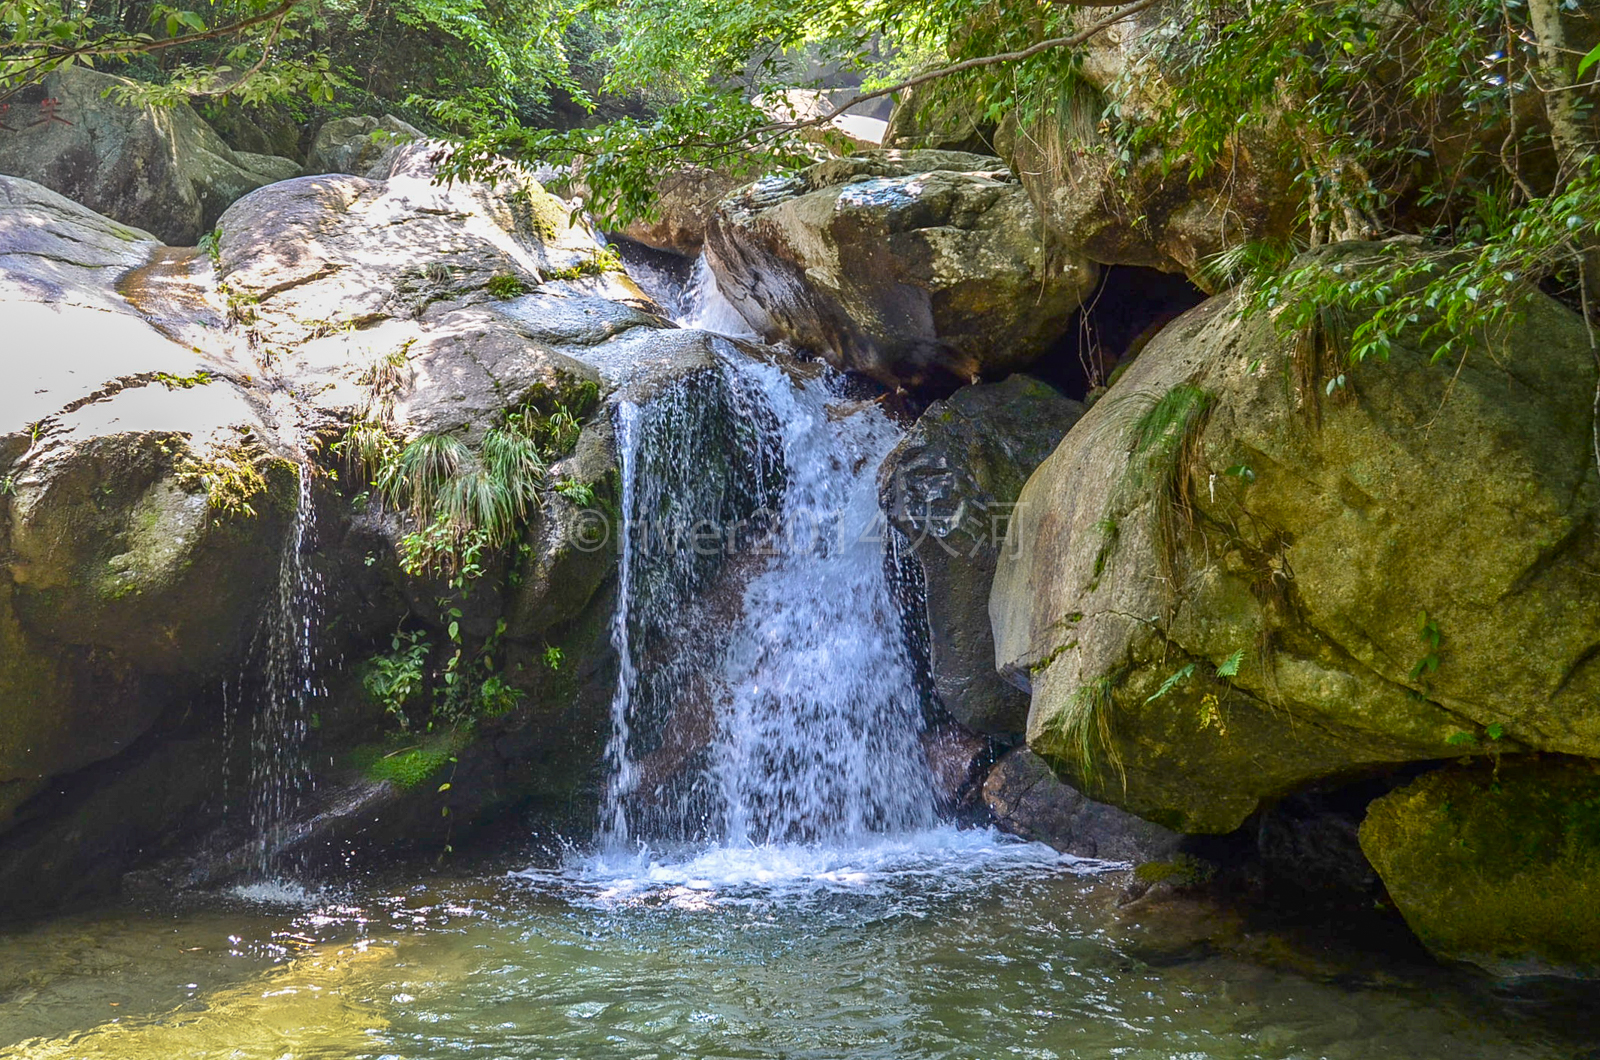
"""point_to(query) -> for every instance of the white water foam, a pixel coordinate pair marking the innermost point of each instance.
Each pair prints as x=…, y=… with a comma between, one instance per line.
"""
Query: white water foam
x=278, y=892
x=704, y=306
x=941, y=860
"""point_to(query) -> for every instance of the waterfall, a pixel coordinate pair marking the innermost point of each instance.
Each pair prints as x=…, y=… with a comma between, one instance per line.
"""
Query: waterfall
x=278, y=773
x=766, y=694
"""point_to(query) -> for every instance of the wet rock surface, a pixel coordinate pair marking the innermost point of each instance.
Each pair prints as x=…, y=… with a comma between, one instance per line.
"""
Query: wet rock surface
x=950, y=488
x=1028, y=800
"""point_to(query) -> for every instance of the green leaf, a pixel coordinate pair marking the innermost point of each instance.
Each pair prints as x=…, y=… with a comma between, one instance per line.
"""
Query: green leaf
x=1496, y=731
x=1172, y=682
x=1589, y=60
x=445, y=786
x=1230, y=665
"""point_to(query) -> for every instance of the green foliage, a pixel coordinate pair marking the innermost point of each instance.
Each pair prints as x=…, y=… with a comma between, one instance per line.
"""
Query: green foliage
x=1432, y=639
x=186, y=382
x=409, y=766
x=1082, y=730
x=395, y=680
x=230, y=478
x=1230, y=666
x=211, y=245
x=602, y=261
x=505, y=286
x=1173, y=681
x=579, y=493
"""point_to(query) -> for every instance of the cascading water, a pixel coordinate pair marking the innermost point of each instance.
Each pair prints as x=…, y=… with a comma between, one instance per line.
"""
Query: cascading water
x=290, y=684
x=766, y=694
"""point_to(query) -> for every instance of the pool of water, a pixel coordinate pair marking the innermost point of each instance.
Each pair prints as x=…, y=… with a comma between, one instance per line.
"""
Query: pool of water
x=948, y=944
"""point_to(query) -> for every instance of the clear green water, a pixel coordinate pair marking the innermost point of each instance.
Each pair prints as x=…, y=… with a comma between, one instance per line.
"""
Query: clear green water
x=979, y=950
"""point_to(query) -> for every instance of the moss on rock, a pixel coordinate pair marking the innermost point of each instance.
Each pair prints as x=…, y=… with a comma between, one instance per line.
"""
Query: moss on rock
x=1499, y=867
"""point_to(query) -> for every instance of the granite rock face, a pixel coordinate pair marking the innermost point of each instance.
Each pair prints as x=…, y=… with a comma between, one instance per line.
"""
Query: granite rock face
x=915, y=268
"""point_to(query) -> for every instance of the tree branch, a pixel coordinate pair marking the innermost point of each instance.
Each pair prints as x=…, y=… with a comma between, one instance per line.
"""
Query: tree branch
x=126, y=44
x=961, y=67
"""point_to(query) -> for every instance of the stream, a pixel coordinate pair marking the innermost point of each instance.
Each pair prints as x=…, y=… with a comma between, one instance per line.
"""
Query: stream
x=770, y=878
x=959, y=945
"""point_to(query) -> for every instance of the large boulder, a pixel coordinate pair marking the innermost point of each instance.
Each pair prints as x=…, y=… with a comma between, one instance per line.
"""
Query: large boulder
x=139, y=497
x=1028, y=800
x=1497, y=864
x=1242, y=571
x=948, y=125
x=356, y=144
x=147, y=484
x=951, y=487
x=685, y=199
x=162, y=169
x=921, y=267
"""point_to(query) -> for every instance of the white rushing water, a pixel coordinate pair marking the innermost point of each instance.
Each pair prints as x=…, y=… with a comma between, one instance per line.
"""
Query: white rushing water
x=767, y=720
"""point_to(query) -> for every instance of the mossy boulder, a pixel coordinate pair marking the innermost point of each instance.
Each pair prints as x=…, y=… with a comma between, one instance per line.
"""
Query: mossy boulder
x=160, y=168
x=917, y=267
x=1497, y=864
x=1236, y=577
x=139, y=499
x=950, y=487
x=355, y=144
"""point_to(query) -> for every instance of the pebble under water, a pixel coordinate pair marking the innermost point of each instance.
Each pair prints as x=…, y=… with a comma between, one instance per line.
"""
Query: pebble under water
x=959, y=944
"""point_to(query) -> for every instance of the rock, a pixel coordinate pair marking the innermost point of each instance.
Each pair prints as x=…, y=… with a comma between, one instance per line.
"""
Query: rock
x=1154, y=212
x=950, y=487
x=916, y=126
x=914, y=268
x=158, y=168
x=1151, y=214
x=684, y=202
x=1027, y=800
x=265, y=129
x=354, y=145
x=130, y=467
x=134, y=574
x=957, y=759
x=1497, y=864
x=1306, y=544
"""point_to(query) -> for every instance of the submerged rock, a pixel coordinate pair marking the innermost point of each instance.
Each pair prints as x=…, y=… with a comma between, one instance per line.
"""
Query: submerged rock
x=951, y=487
x=1235, y=578
x=1497, y=864
x=1028, y=800
x=920, y=267
x=159, y=168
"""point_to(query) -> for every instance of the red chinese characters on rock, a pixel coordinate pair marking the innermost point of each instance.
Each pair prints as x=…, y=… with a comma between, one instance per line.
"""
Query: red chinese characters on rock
x=49, y=111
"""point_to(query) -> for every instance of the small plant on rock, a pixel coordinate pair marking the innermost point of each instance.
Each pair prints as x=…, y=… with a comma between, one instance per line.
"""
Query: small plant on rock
x=505, y=286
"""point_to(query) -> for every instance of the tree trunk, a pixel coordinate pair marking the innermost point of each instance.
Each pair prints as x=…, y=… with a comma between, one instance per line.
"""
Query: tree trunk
x=1570, y=109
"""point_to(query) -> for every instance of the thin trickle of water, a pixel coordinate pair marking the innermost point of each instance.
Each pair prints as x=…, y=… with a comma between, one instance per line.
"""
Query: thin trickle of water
x=279, y=775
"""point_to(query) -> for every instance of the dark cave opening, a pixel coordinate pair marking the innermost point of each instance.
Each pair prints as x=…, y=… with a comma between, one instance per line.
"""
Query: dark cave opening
x=1127, y=308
